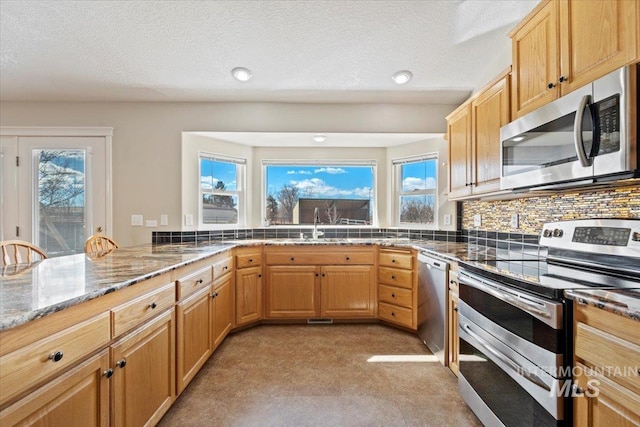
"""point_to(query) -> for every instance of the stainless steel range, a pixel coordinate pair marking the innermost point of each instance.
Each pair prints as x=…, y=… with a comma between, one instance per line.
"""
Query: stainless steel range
x=516, y=332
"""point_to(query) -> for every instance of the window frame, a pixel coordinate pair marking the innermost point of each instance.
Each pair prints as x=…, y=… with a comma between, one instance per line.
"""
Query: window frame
x=398, y=192
x=240, y=191
x=329, y=163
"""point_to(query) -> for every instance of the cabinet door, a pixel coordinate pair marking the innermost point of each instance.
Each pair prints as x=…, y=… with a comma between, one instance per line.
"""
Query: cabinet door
x=597, y=37
x=78, y=398
x=459, y=131
x=224, y=309
x=490, y=111
x=248, y=295
x=454, y=350
x=535, y=61
x=347, y=291
x=194, y=333
x=143, y=385
x=292, y=291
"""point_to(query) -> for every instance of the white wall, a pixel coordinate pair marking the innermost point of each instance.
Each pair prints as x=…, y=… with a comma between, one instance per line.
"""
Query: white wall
x=147, y=167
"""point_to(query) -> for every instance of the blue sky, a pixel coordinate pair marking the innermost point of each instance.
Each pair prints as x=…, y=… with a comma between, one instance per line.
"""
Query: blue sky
x=346, y=182
x=419, y=175
x=212, y=171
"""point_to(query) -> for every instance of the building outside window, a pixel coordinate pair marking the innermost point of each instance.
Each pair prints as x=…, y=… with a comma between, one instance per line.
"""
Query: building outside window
x=416, y=190
x=221, y=190
x=343, y=193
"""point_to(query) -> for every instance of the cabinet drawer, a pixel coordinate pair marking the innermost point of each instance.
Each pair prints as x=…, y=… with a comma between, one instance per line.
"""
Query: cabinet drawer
x=396, y=314
x=601, y=349
x=248, y=260
x=397, y=296
x=222, y=267
x=128, y=315
x=333, y=258
x=31, y=364
x=187, y=285
x=396, y=259
x=395, y=277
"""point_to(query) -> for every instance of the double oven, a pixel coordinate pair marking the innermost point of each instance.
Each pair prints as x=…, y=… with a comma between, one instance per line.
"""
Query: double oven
x=516, y=331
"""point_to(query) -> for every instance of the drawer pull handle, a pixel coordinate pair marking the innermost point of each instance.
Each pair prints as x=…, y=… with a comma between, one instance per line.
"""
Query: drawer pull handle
x=259, y=275
x=291, y=258
x=56, y=357
x=393, y=260
x=348, y=258
x=153, y=305
x=393, y=295
x=226, y=267
x=200, y=281
x=393, y=313
x=250, y=259
x=121, y=363
x=393, y=277
x=108, y=373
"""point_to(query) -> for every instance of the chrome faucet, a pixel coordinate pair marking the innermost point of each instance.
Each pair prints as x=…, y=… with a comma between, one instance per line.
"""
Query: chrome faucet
x=316, y=221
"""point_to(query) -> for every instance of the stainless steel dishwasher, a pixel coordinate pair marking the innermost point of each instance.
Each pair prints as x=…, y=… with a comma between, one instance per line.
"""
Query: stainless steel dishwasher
x=432, y=303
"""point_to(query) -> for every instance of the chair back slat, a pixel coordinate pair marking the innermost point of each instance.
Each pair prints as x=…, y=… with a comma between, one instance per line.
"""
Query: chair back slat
x=99, y=245
x=12, y=252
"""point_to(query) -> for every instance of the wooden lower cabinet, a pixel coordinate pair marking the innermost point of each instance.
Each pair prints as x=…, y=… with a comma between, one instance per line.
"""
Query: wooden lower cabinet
x=143, y=382
x=292, y=291
x=194, y=335
x=79, y=398
x=223, y=310
x=248, y=295
x=348, y=291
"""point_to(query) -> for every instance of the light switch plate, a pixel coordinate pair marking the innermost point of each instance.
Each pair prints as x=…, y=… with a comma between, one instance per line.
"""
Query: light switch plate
x=188, y=219
x=151, y=223
x=477, y=220
x=164, y=219
x=136, y=220
x=447, y=219
x=514, y=220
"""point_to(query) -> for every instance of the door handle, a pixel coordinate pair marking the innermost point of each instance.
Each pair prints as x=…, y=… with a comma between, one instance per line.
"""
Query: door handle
x=577, y=133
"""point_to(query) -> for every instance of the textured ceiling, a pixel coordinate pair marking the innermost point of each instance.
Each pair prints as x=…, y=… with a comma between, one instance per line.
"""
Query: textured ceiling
x=299, y=51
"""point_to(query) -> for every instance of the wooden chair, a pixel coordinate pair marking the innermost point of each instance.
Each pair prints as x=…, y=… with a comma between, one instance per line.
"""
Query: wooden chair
x=99, y=245
x=14, y=250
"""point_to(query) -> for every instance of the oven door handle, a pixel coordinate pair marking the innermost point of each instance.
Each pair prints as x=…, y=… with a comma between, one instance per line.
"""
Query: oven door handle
x=507, y=360
x=504, y=296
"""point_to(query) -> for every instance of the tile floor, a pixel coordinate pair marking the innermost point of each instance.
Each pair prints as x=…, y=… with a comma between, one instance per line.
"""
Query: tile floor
x=318, y=375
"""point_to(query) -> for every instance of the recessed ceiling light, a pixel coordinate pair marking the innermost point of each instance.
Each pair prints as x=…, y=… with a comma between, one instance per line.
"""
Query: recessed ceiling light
x=401, y=77
x=319, y=137
x=241, y=74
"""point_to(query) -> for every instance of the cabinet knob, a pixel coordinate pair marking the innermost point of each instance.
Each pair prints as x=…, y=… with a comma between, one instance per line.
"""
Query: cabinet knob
x=317, y=275
x=108, y=373
x=259, y=275
x=153, y=305
x=348, y=258
x=393, y=277
x=200, y=280
x=121, y=363
x=455, y=309
x=393, y=295
x=250, y=259
x=291, y=258
x=577, y=390
x=551, y=85
x=215, y=294
x=562, y=79
x=56, y=357
x=393, y=313
x=393, y=261
x=226, y=267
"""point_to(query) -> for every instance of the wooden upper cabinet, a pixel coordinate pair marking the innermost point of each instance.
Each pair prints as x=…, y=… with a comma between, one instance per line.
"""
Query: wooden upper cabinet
x=596, y=37
x=459, y=131
x=489, y=111
x=565, y=44
x=535, y=59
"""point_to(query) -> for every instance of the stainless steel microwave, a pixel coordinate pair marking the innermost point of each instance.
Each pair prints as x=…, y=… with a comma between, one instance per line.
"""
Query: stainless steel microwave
x=584, y=137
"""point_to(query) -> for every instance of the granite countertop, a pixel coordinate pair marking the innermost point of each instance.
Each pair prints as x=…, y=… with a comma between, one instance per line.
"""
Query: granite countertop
x=625, y=302
x=28, y=292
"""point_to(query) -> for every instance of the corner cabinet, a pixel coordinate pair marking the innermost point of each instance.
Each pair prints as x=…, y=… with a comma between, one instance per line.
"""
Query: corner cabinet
x=606, y=385
x=563, y=45
x=248, y=287
x=474, y=140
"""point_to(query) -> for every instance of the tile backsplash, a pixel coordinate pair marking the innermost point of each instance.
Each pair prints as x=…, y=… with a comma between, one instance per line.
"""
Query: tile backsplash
x=533, y=212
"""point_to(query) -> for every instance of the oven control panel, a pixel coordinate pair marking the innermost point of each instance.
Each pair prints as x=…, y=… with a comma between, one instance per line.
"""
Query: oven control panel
x=599, y=236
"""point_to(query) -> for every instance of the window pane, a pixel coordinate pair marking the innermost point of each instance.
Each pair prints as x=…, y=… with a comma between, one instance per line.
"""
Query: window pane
x=218, y=175
x=417, y=209
x=419, y=176
x=61, y=197
x=219, y=209
x=342, y=194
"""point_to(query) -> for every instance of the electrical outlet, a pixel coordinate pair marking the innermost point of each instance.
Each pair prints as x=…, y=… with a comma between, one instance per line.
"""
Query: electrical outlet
x=514, y=220
x=136, y=220
x=477, y=220
x=164, y=219
x=447, y=219
x=188, y=219
x=151, y=223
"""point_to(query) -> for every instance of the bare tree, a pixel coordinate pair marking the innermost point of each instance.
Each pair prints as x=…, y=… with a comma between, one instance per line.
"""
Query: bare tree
x=272, y=209
x=417, y=211
x=288, y=197
x=331, y=212
x=60, y=184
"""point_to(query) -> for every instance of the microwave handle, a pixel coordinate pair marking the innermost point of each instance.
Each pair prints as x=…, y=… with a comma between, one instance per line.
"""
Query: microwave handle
x=577, y=133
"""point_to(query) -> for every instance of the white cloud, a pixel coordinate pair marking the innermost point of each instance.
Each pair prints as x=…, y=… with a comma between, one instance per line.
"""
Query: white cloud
x=299, y=172
x=411, y=183
x=330, y=170
x=316, y=187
